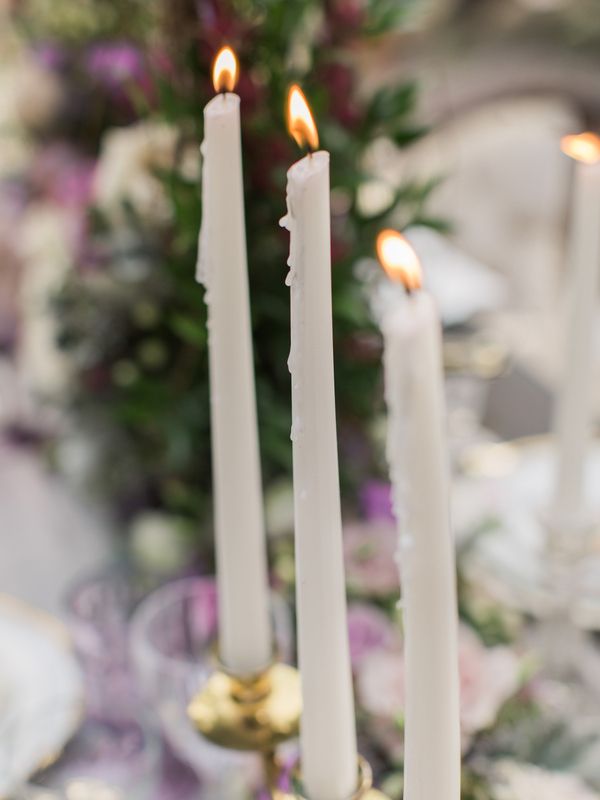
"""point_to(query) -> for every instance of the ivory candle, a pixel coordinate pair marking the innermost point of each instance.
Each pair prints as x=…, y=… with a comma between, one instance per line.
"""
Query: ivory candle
x=328, y=733
x=573, y=414
x=417, y=455
x=244, y=625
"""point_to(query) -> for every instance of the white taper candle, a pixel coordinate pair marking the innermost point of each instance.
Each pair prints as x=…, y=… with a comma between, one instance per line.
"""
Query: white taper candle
x=573, y=413
x=418, y=459
x=244, y=625
x=328, y=728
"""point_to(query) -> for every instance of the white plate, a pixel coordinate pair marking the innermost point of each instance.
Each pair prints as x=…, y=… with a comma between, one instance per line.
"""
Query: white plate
x=510, y=485
x=41, y=691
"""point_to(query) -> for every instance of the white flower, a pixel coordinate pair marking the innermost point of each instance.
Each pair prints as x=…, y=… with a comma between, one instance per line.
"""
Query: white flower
x=15, y=153
x=38, y=94
x=29, y=95
x=44, y=247
x=159, y=542
x=126, y=171
x=514, y=781
x=373, y=197
x=77, y=455
x=29, y=98
x=45, y=235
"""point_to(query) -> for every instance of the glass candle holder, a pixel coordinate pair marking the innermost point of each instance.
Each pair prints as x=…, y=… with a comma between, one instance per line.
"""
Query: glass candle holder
x=173, y=639
x=98, y=609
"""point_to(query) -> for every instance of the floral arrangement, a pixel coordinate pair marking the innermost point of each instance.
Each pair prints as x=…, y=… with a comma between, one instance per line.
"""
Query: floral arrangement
x=128, y=317
x=100, y=122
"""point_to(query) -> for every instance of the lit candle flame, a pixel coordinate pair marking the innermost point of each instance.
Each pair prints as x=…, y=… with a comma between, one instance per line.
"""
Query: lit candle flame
x=225, y=70
x=582, y=147
x=300, y=121
x=398, y=259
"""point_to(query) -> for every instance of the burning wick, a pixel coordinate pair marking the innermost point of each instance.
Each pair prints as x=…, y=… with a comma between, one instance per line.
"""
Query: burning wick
x=225, y=71
x=300, y=121
x=582, y=147
x=399, y=260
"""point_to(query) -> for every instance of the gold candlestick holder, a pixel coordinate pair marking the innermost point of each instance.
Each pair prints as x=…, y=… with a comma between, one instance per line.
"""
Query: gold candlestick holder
x=252, y=712
x=258, y=713
x=364, y=791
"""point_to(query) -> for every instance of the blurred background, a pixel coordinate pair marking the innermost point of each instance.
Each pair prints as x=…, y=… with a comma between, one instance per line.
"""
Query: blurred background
x=443, y=118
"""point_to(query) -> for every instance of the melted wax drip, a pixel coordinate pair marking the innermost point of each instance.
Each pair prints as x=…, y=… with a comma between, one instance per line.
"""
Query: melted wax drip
x=203, y=263
x=399, y=432
x=293, y=282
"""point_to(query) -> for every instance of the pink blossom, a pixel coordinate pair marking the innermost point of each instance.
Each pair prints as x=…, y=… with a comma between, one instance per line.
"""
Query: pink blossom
x=205, y=608
x=63, y=176
x=369, y=629
x=380, y=683
x=118, y=67
x=115, y=63
x=50, y=55
x=489, y=676
x=369, y=552
x=376, y=500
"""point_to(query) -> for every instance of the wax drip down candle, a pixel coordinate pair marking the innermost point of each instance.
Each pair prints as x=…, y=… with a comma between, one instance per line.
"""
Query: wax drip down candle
x=328, y=727
x=244, y=627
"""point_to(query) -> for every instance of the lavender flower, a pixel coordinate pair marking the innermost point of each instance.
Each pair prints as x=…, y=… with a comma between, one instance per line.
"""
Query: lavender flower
x=63, y=176
x=369, y=629
x=114, y=64
x=376, y=501
x=50, y=55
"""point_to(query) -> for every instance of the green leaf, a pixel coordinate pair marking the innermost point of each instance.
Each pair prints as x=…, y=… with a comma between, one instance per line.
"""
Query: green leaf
x=190, y=329
x=391, y=103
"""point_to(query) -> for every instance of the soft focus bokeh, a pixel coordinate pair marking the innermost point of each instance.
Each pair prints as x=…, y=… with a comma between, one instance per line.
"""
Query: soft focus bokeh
x=444, y=120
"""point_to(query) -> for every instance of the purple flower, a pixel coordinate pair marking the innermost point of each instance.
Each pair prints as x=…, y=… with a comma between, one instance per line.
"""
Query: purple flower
x=64, y=176
x=369, y=629
x=177, y=781
x=205, y=610
x=114, y=64
x=376, y=501
x=50, y=55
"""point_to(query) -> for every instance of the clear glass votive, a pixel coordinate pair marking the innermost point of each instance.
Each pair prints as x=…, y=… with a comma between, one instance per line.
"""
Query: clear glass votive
x=98, y=609
x=173, y=637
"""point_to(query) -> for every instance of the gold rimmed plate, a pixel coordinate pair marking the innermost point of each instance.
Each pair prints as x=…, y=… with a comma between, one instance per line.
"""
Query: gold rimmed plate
x=41, y=691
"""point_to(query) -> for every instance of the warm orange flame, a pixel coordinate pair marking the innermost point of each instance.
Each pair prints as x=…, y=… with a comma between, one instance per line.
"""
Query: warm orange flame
x=398, y=259
x=225, y=70
x=582, y=147
x=300, y=121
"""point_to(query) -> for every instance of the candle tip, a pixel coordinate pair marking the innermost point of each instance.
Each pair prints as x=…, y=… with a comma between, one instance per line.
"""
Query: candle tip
x=582, y=147
x=399, y=260
x=225, y=70
x=300, y=121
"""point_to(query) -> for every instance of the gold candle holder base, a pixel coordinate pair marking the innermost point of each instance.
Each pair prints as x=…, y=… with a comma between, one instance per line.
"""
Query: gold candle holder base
x=365, y=790
x=255, y=712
